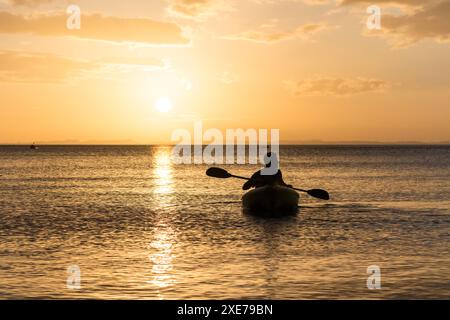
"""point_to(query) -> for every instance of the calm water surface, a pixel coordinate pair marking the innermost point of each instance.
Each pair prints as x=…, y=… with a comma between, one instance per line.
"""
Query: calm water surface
x=140, y=227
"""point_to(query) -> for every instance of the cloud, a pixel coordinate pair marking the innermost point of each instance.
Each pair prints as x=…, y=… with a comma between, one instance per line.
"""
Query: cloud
x=197, y=9
x=317, y=2
x=95, y=27
x=382, y=2
x=430, y=22
x=309, y=2
x=329, y=86
x=33, y=67
x=28, y=3
x=29, y=67
x=418, y=20
x=189, y=8
x=265, y=35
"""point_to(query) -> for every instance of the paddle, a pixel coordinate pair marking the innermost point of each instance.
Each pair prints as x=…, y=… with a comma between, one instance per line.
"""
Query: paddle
x=223, y=174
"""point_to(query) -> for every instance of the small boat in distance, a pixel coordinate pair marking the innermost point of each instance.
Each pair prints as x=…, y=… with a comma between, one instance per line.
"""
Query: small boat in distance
x=34, y=147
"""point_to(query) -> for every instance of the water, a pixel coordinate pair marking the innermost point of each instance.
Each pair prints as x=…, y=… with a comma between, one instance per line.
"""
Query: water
x=140, y=227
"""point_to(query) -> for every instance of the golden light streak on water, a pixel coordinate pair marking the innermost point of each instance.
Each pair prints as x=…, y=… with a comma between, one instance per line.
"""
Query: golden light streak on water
x=162, y=172
x=161, y=256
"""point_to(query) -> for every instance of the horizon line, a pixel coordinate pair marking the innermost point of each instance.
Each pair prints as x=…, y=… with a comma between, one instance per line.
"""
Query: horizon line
x=286, y=143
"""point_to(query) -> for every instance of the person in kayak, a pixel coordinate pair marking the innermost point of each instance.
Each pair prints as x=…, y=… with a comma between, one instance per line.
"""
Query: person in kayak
x=259, y=180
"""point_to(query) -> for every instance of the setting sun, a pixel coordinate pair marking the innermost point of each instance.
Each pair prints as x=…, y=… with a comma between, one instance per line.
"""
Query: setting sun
x=163, y=104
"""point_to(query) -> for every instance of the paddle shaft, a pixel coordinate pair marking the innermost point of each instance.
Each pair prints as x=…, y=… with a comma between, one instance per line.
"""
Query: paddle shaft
x=245, y=178
x=223, y=174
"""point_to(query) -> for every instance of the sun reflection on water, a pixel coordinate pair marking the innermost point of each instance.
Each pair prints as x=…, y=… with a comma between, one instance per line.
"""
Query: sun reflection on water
x=162, y=172
x=162, y=258
x=161, y=247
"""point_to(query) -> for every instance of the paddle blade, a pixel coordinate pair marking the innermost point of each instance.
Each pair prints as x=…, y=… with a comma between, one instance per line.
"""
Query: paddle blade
x=217, y=173
x=319, y=193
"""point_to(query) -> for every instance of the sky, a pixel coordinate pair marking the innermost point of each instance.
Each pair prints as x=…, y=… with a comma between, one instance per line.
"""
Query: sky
x=137, y=70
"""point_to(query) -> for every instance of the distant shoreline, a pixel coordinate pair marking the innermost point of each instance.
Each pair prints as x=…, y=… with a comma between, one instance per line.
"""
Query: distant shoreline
x=358, y=143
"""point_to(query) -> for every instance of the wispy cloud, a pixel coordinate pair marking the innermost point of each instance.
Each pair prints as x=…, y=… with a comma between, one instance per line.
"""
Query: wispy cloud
x=30, y=67
x=197, y=9
x=309, y=2
x=95, y=27
x=383, y=2
x=28, y=3
x=265, y=35
x=317, y=2
x=429, y=22
x=329, y=86
x=418, y=20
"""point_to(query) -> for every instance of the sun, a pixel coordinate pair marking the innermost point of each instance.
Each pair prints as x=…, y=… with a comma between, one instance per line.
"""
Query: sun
x=163, y=104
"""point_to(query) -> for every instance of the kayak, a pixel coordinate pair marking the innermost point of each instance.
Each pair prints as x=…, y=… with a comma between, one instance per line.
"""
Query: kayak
x=271, y=201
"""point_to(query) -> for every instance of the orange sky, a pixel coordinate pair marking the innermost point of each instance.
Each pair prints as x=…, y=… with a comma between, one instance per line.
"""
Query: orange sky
x=310, y=68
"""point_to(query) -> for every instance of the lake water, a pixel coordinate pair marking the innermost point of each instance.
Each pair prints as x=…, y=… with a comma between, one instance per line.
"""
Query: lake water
x=139, y=227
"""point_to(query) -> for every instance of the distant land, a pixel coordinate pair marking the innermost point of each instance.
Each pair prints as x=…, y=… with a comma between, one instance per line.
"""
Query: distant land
x=360, y=142
x=286, y=142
